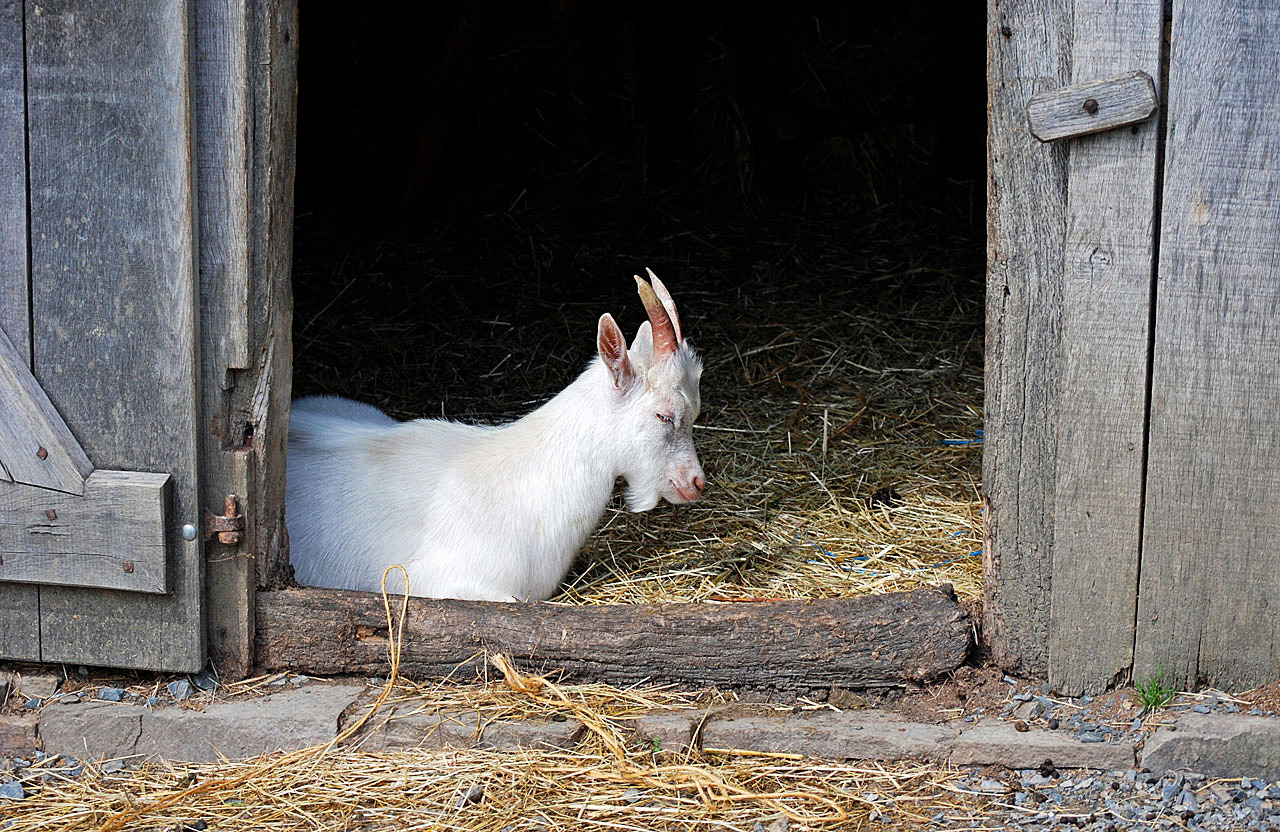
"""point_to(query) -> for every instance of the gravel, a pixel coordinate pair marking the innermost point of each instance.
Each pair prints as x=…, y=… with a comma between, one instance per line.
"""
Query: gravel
x=1128, y=801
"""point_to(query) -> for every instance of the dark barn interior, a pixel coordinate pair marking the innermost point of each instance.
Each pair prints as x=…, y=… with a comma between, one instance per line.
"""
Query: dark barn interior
x=477, y=182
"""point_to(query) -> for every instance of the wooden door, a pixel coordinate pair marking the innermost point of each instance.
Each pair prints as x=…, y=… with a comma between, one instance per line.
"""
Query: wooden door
x=1132, y=470
x=99, y=363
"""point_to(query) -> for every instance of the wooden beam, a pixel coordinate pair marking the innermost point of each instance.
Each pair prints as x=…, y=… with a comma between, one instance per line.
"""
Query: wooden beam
x=20, y=623
x=872, y=641
x=1106, y=305
x=115, y=295
x=1028, y=51
x=1209, y=601
x=1092, y=107
x=36, y=446
x=113, y=537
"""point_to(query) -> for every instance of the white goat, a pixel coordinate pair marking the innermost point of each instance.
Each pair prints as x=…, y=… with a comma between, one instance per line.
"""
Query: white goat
x=495, y=512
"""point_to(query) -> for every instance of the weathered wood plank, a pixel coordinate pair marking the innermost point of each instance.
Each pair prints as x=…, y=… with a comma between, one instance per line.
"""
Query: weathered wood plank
x=13, y=180
x=1028, y=51
x=112, y=537
x=266, y=405
x=246, y=433
x=223, y=122
x=1210, y=583
x=871, y=641
x=36, y=446
x=1106, y=297
x=20, y=624
x=114, y=290
x=1092, y=106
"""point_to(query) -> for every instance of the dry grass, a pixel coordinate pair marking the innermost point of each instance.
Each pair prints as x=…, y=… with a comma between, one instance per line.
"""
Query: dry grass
x=841, y=399
x=603, y=783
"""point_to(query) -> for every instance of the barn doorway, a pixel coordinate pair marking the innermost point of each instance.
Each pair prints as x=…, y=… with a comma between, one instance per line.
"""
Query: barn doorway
x=478, y=181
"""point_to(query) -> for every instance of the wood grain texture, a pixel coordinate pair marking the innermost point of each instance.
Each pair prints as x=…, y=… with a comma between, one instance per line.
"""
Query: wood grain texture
x=1210, y=586
x=36, y=446
x=245, y=439
x=14, y=317
x=114, y=290
x=1028, y=48
x=266, y=405
x=1106, y=303
x=20, y=623
x=223, y=122
x=112, y=537
x=1116, y=102
x=873, y=641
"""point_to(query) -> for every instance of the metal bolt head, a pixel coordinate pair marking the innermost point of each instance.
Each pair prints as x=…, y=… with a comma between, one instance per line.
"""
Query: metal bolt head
x=1091, y=105
x=188, y=532
x=51, y=514
x=42, y=453
x=128, y=566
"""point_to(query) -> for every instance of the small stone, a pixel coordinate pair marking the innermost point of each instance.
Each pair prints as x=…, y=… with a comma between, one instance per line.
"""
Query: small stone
x=1009, y=680
x=993, y=787
x=1169, y=791
x=205, y=680
x=112, y=766
x=69, y=699
x=299, y=680
x=1200, y=709
x=179, y=689
x=12, y=790
x=279, y=681
x=1255, y=712
x=152, y=701
x=111, y=694
x=1136, y=725
x=471, y=796
x=82, y=671
x=33, y=704
x=632, y=795
x=1022, y=697
x=1090, y=736
x=1053, y=724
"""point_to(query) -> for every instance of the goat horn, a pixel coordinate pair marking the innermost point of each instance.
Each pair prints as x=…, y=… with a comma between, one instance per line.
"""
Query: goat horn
x=667, y=303
x=664, y=334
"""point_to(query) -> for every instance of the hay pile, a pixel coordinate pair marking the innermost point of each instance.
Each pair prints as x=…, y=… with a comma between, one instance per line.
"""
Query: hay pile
x=839, y=313
x=841, y=420
x=602, y=783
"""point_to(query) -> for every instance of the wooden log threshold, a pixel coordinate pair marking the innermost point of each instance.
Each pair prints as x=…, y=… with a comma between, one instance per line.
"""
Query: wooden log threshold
x=872, y=641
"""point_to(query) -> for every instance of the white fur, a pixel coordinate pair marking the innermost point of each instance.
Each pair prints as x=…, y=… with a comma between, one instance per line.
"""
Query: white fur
x=487, y=512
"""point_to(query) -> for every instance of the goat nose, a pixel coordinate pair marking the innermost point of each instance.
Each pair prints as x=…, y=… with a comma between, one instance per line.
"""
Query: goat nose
x=699, y=482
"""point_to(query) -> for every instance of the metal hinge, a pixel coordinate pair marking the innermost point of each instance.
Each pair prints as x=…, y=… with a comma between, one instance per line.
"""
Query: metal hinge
x=229, y=527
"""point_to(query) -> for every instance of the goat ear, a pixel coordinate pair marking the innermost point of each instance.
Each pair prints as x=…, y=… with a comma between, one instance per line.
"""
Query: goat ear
x=642, y=345
x=612, y=346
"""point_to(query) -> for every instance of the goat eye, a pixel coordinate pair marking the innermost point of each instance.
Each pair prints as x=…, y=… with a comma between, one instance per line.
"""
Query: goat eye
x=665, y=418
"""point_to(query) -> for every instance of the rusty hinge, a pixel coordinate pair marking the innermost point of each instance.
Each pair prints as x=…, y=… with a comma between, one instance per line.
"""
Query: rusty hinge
x=229, y=527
